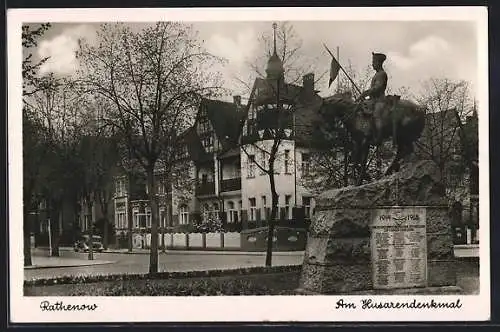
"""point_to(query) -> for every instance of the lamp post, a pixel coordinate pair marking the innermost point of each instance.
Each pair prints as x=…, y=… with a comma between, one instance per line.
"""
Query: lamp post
x=50, y=237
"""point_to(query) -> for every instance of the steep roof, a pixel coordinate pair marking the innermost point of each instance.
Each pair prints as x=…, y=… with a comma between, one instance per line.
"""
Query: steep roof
x=194, y=146
x=226, y=119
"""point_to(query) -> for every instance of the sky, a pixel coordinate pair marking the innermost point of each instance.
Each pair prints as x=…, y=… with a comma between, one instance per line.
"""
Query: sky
x=416, y=50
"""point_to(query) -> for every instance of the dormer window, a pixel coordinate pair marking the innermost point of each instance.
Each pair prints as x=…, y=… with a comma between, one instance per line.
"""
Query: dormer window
x=203, y=126
x=252, y=113
x=208, y=143
x=203, y=110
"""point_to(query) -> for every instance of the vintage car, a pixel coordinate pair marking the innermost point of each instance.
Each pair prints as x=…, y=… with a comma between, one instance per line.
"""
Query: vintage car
x=82, y=244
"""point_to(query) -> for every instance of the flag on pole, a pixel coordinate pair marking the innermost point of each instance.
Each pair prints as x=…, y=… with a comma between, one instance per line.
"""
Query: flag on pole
x=334, y=70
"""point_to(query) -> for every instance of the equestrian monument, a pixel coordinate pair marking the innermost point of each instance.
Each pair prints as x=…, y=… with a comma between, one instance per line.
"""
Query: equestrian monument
x=388, y=236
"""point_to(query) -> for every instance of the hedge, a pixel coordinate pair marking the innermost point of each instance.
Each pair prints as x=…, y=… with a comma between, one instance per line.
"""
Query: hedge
x=161, y=275
x=284, y=283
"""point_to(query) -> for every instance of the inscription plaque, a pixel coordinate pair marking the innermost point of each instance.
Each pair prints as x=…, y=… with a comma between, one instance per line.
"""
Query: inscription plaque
x=399, y=247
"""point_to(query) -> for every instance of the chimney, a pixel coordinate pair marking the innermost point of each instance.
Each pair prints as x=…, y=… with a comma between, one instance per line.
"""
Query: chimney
x=237, y=100
x=308, y=82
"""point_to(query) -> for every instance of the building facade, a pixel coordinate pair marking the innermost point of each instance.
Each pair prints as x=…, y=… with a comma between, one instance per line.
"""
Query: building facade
x=224, y=161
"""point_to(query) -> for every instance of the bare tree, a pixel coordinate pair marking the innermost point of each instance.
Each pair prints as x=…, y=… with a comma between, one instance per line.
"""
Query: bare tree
x=33, y=131
x=30, y=37
x=98, y=156
x=55, y=104
x=278, y=104
x=154, y=79
x=448, y=104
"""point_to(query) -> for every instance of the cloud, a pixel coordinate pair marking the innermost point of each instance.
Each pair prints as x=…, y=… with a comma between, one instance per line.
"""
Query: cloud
x=430, y=57
x=423, y=52
x=61, y=50
x=236, y=50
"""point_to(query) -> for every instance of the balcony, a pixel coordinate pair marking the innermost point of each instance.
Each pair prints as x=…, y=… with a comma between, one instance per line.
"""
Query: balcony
x=230, y=184
x=205, y=188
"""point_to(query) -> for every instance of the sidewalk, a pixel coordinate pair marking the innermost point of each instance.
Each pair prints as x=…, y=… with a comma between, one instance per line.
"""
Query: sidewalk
x=188, y=252
x=40, y=262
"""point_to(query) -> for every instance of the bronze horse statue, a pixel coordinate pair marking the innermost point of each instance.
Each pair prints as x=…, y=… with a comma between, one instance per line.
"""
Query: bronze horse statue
x=402, y=120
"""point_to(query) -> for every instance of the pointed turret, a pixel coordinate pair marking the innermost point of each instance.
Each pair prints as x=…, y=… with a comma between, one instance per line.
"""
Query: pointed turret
x=274, y=69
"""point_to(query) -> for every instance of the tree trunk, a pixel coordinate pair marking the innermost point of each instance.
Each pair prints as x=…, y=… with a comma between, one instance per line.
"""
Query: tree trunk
x=129, y=215
x=54, y=228
x=91, y=230
x=27, y=235
x=272, y=219
x=105, y=234
x=153, y=258
x=346, y=166
x=104, y=210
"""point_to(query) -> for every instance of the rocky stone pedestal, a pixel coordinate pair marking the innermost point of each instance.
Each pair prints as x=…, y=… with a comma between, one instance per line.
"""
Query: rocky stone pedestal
x=339, y=256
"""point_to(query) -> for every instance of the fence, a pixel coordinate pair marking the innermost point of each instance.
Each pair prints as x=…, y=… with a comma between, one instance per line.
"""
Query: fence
x=216, y=241
x=286, y=239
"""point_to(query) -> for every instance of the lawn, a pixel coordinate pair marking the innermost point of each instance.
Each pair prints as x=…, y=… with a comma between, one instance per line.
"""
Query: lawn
x=251, y=281
x=281, y=283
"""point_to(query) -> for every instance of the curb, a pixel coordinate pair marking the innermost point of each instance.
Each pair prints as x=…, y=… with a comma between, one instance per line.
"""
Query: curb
x=45, y=266
x=204, y=252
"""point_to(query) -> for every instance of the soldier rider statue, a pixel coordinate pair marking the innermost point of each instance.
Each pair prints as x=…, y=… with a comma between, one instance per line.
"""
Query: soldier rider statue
x=375, y=105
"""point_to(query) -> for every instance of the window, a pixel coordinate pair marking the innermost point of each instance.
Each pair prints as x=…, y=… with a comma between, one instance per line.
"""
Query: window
x=120, y=220
x=203, y=126
x=305, y=163
x=44, y=228
x=183, y=215
x=162, y=217
x=208, y=143
x=253, y=209
x=203, y=111
x=148, y=217
x=161, y=188
x=232, y=215
x=215, y=214
x=240, y=207
x=288, y=210
x=135, y=217
x=287, y=161
x=264, y=206
x=204, y=178
x=252, y=112
x=263, y=159
x=236, y=170
x=249, y=128
x=120, y=187
x=306, y=202
x=251, y=166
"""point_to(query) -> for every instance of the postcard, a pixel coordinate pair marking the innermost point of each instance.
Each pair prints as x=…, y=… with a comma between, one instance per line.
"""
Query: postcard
x=248, y=164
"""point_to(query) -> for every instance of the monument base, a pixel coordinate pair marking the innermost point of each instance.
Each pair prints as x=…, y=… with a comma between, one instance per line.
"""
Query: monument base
x=391, y=236
x=444, y=290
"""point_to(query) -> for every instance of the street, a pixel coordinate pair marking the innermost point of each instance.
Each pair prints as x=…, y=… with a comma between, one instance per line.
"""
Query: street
x=169, y=261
